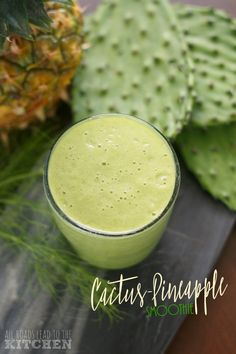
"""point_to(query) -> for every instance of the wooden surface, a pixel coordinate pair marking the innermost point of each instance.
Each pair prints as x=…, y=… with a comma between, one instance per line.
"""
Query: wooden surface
x=216, y=332
x=188, y=250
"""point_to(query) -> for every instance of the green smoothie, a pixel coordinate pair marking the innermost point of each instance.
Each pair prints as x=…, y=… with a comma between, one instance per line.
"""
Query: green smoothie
x=111, y=176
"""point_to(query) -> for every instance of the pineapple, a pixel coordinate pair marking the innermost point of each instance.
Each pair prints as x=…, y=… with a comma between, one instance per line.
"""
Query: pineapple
x=40, y=49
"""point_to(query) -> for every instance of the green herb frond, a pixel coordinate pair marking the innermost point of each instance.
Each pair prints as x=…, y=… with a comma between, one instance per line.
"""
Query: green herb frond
x=26, y=223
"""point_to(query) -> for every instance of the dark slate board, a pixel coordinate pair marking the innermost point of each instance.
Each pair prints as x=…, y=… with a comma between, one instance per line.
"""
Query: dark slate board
x=188, y=250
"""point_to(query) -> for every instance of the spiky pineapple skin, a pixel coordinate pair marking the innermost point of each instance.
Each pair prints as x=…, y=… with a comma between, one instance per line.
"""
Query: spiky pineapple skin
x=34, y=74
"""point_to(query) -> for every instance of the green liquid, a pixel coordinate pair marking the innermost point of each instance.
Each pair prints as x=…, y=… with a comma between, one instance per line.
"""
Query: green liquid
x=112, y=173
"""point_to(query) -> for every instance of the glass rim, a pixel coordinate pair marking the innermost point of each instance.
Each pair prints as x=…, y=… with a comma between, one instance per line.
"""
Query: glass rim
x=86, y=228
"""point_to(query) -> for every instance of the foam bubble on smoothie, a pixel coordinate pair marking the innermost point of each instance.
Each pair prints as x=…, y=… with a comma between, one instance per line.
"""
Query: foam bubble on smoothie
x=112, y=173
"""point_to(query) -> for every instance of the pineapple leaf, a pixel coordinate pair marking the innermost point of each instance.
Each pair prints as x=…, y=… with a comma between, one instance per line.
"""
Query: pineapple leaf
x=2, y=40
x=37, y=13
x=14, y=21
x=17, y=16
x=3, y=29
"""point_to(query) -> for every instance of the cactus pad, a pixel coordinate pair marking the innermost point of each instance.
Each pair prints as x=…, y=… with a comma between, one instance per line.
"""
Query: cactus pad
x=211, y=155
x=137, y=64
x=211, y=37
